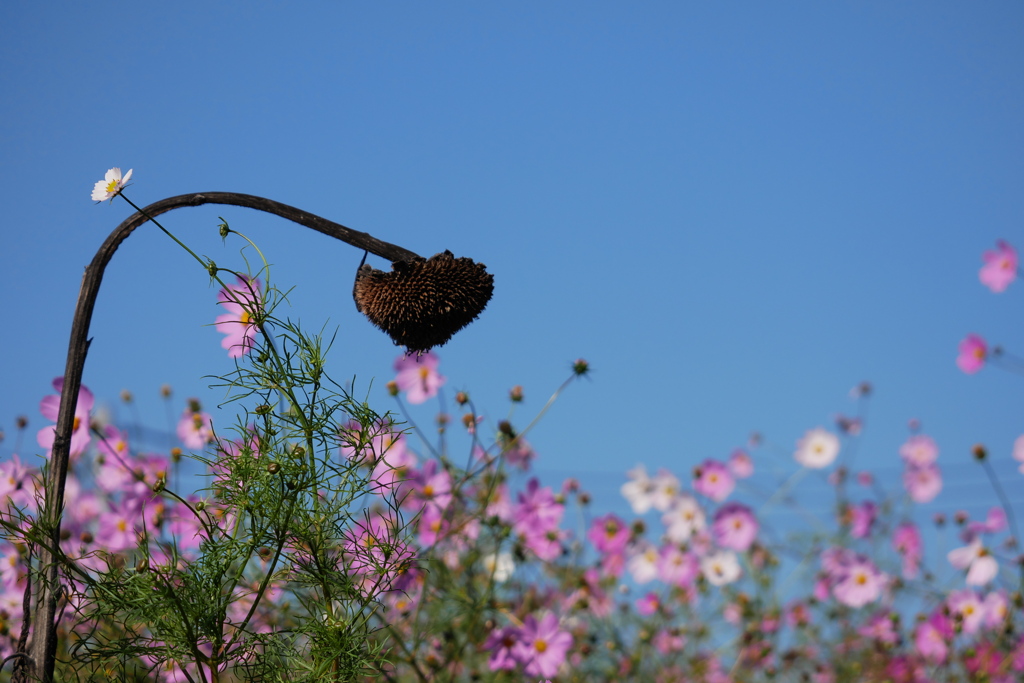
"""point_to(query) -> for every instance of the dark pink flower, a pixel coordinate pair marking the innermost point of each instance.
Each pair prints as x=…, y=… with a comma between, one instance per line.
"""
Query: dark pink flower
x=501, y=642
x=1000, y=267
x=418, y=376
x=244, y=303
x=609, y=534
x=973, y=352
x=542, y=646
x=648, y=604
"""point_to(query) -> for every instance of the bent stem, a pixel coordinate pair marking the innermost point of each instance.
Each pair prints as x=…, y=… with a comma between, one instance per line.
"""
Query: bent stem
x=42, y=658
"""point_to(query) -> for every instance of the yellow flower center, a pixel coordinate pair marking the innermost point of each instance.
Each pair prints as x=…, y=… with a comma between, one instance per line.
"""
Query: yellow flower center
x=112, y=186
x=245, y=317
x=540, y=645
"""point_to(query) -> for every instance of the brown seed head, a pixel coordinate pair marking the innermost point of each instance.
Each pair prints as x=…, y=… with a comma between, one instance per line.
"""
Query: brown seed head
x=422, y=303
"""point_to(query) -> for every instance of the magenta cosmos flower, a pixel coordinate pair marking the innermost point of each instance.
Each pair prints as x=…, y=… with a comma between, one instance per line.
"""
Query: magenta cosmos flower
x=973, y=352
x=243, y=301
x=542, y=646
x=418, y=376
x=609, y=534
x=1000, y=267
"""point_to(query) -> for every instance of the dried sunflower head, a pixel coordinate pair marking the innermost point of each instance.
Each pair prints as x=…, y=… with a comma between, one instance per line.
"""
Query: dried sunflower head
x=423, y=302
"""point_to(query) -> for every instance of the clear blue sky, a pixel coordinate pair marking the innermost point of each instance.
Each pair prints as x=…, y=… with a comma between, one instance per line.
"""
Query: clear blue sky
x=735, y=211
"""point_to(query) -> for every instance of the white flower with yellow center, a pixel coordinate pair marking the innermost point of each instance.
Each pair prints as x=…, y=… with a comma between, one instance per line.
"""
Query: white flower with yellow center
x=817, y=449
x=111, y=185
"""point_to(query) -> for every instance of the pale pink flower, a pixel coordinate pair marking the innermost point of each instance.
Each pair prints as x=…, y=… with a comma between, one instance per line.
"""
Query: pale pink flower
x=195, y=427
x=741, y=464
x=1018, y=451
x=922, y=483
x=677, y=567
x=111, y=185
x=1000, y=267
x=50, y=407
x=907, y=542
x=244, y=303
x=862, y=518
x=976, y=558
x=735, y=527
x=666, y=488
x=997, y=609
x=969, y=606
x=860, y=584
x=973, y=352
x=919, y=450
x=683, y=519
x=817, y=449
x=418, y=376
x=713, y=479
x=933, y=637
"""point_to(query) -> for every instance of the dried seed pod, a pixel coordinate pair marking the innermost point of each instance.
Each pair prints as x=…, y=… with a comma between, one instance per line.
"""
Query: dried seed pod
x=423, y=302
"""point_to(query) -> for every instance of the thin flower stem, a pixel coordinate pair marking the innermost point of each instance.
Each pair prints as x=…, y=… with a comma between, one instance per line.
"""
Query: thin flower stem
x=1005, y=502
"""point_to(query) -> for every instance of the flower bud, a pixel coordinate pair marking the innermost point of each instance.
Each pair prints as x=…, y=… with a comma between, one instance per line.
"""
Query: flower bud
x=212, y=268
x=126, y=396
x=223, y=229
x=979, y=452
x=165, y=390
x=143, y=566
x=462, y=398
x=580, y=367
x=175, y=454
x=273, y=468
x=516, y=394
x=392, y=388
x=21, y=422
x=505, y=427
x=263, y=409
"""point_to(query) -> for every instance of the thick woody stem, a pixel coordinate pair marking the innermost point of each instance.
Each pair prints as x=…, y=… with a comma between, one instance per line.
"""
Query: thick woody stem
x=44, y=641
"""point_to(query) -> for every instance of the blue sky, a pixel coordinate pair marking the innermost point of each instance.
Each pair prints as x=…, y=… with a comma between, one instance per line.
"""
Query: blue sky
x=735, y=211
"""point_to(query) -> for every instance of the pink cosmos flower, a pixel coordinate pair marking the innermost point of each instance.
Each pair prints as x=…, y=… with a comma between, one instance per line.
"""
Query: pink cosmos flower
x=713, y=480
x=418, y=376
x=919, y=451
x=195, y=427
x=609, y=534
x=976, y=558
x=880, y=628
x=683, y=519
x=648, y=604
x=970, y=607
x=860, y=584
x=817, y=449
x=907, y=542
x=735, y=527
x=50, y=406
x=973, y=352
x=933, y=637
x=1000, y=267
x=922, y=483
x=741, y=464
x=862, y=518
x=1018, y=451
x=542, y=646
x=244, y=303
x=430, y=486
x=677, y=567
x=16, y=485
x=995, y=521
x=501, y=642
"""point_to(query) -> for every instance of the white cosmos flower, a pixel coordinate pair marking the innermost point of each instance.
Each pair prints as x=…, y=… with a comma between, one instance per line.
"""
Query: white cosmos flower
x=111, y=185
x=721, y=568
x=981, y=566
x=499, y=565
x=817, y=449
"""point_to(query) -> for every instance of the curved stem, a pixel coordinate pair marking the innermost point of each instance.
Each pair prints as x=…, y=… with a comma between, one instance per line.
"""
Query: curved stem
x=44, y=643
